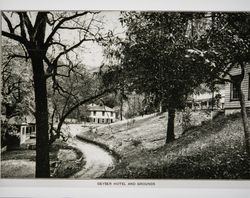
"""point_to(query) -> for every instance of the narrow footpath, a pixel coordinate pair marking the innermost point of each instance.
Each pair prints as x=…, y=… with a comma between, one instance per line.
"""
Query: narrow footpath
x=97, y=159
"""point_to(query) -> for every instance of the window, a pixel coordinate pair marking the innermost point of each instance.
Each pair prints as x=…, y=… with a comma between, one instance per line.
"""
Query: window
x=103, y=113
x=235, y=95
x=94, y=113
x=111, y=114
x=23, y=130
x=103, y=121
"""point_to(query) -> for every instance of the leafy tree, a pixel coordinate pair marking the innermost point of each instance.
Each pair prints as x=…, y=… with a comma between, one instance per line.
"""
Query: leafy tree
x=16, y=82
x=41, y=34
x=114, y=75
x=136, y=105
x=110, y=100
x=223, y=46
x=153, y=59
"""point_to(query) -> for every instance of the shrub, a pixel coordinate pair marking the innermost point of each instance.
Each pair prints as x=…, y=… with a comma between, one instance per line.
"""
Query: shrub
x=135, y=142
x=12, y=141
x=186, y=119
x=3, y=135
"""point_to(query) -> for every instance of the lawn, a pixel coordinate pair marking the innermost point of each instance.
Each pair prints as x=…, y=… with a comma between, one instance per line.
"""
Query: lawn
x=64, y=161
x=214, y=150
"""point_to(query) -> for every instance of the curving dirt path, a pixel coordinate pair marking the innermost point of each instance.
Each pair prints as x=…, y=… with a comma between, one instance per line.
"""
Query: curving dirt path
x=97, y=160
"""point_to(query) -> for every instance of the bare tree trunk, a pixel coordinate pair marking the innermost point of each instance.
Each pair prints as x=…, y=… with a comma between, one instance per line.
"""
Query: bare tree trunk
x=243, y=110
x=121, y=109
x=245, y=121
x=170, y=129
x=42, y=137
x=212, y=102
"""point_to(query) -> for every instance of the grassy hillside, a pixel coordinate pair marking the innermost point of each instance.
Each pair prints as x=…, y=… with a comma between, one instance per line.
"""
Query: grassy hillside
x=213, y=150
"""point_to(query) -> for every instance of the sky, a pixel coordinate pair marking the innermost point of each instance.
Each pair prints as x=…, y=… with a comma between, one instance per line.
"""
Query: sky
x=90, y=53
x=94, y=53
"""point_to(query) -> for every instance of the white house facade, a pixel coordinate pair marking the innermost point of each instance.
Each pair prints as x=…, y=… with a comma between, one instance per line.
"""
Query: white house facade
x=204, y=101
x=232, y=103
x=101, y=114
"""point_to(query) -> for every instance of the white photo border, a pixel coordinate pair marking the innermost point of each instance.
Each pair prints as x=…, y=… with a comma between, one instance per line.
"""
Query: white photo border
x=89, y=188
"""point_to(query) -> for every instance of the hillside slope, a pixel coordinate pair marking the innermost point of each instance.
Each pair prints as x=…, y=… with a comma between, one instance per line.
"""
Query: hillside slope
x=213, y=150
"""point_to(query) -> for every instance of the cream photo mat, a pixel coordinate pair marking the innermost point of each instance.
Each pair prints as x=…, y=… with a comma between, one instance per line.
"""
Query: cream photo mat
x=89, y=188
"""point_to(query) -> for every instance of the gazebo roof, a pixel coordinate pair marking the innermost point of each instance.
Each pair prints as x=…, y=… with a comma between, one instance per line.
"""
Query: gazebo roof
x=22, y=120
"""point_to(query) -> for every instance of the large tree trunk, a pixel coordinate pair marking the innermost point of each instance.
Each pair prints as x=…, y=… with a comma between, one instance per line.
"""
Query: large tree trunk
x=121, y=109
x=170, y=129
x=42, y=137
x=245, y=121
x=243, y=109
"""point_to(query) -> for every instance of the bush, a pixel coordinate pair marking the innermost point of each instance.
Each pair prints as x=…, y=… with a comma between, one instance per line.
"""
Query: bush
x=12, y=141
x=3, y=134
x=186, y=119
x=135, y=142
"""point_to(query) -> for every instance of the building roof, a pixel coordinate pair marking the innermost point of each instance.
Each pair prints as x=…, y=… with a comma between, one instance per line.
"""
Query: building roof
x=19, y=120
x=99, y=108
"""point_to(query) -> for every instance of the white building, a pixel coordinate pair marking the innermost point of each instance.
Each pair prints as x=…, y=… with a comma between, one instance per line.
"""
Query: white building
x=101, y=114
x=204, y=100
x=232, y=102
x=24, y=127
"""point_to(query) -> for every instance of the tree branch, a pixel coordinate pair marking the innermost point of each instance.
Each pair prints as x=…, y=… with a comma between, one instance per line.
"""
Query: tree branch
x=8, y=23
x=58, y=43
x=27, y=22
x=15, y=37
x=22, y=27
x=85, y=101
x=64, y=116
x=19, y=56
x=222, y=80
x=71, y=48
x=49, y=38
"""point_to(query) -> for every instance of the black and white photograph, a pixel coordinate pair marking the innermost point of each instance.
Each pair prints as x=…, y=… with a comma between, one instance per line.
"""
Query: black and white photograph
x=150, y=95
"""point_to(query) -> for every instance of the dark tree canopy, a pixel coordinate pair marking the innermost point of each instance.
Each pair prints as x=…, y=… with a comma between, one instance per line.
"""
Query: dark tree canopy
x=154, y=57
x=16, y=89
x=223, y=47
